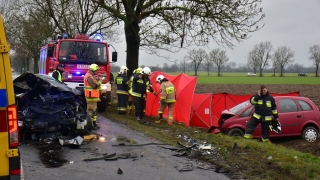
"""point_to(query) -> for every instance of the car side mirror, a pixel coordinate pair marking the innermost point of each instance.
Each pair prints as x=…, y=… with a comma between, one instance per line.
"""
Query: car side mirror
x=114, y=56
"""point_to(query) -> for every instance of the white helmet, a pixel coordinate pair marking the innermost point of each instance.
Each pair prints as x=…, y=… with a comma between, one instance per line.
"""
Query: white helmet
x=123, y=69
x=159, y=78
x=146, y=70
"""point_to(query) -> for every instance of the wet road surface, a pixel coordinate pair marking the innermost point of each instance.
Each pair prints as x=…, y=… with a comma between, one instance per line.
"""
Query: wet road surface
x=144, y=162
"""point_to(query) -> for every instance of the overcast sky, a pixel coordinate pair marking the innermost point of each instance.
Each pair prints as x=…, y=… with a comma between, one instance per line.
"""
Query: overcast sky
x=292, y=23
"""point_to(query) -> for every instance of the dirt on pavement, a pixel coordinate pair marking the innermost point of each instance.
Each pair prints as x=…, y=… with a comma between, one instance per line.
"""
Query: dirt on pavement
x=310, y=91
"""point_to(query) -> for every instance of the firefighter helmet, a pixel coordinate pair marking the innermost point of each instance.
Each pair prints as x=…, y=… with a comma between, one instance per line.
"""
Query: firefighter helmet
x=275, y=126
x=123, y=69
x=146, y=70
x=138, y=70
x=159, y=78
x=94, y=67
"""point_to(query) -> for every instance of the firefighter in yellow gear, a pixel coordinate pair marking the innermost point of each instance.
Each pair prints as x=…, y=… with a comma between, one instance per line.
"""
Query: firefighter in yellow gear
x=168, y=98
x=130, y=106
x=92, y=93
x=122, y=90
x=57, y=74
x=265, y=112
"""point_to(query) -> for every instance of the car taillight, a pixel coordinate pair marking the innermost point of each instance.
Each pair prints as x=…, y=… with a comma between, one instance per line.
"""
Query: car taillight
x=13, y=125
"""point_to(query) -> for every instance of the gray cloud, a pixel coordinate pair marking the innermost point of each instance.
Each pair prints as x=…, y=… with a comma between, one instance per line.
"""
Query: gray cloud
x=292, y=23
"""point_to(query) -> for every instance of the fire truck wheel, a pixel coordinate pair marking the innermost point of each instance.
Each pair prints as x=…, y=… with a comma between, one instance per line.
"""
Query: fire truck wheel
x=102, y=105
x=89, y=123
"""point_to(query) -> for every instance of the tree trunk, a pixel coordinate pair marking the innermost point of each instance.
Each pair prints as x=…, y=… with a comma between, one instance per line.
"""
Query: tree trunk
x=195, y=69
x=218, y=71
x=281, y=71
x=260, y=72
x=274, y=72
x=133, y=43
x=36, y=62
x=317, y=67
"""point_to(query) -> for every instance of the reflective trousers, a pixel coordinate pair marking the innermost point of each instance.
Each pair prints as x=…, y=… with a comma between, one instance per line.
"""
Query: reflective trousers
x=140, y=105
x=252, y=124
x=122, y=103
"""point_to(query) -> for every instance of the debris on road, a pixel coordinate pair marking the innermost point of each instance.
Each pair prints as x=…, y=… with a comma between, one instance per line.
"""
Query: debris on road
x=184, y=166
x=105, y=156
x=119, y=171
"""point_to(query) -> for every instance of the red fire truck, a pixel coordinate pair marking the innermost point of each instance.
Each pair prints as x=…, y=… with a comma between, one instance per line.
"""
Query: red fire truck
x=76, y=55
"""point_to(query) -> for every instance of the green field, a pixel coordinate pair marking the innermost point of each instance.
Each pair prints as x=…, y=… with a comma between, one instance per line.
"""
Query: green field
x=242, y=78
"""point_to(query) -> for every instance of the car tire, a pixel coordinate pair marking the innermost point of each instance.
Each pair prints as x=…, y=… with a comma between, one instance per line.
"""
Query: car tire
x=310, y=134
x=235, y=132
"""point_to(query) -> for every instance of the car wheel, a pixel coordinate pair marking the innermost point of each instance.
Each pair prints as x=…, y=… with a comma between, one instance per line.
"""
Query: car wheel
x=235, y=132
x=310, y=134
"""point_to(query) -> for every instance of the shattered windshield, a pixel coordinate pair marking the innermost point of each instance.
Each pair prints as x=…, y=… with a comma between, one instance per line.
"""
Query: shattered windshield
x=83, y=52
x=238, y=108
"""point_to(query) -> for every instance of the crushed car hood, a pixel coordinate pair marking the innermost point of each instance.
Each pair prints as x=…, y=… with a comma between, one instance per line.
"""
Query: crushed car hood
x=29, y=81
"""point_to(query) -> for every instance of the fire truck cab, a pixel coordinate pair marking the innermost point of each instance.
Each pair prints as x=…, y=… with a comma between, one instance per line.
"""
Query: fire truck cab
x=75, y=55
x=9, y=135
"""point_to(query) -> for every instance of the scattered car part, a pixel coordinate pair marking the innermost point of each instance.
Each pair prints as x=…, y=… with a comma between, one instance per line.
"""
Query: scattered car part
x=105, y=156
x=74, y=141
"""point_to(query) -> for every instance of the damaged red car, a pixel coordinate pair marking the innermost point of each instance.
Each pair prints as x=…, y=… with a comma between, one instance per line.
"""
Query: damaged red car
x=298, y=116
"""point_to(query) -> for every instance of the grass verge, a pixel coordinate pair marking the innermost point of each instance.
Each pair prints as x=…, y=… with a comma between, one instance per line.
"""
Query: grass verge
x=250, y=160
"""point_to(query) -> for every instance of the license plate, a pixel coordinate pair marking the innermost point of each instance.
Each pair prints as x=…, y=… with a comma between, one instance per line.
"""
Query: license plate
x=82, y=66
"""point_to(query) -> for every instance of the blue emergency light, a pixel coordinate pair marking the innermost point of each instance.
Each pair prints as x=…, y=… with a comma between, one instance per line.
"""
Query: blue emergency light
x=78, y=72
x=98, y=37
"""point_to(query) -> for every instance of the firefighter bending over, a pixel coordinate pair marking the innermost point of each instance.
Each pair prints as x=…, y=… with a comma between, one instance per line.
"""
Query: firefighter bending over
x=92, y=93
x=57, y=74
x=265, y=108
x=122, y=90
x=168, y=98
x=141, y=84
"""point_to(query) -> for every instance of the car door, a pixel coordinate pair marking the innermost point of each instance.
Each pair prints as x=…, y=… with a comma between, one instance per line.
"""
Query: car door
x=290, y=117
x=309, y=113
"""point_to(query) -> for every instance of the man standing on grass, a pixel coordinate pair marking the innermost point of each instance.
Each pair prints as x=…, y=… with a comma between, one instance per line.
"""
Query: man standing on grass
x=168, y=98
x=265, y=108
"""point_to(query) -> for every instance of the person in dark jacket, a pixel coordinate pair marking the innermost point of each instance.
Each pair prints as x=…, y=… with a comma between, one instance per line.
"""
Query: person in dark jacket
x=57, y=74
x=265, y=112
x=140, y=85
x=122, y=89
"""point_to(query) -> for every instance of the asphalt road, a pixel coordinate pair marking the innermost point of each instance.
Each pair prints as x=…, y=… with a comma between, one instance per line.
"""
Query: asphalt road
x=152, y=162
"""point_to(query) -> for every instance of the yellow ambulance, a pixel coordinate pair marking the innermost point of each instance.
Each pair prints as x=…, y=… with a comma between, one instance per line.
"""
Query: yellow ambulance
x=9, y=134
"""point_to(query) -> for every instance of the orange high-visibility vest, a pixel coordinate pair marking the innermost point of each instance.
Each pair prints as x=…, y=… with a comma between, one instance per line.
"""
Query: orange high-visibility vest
x=90, y=93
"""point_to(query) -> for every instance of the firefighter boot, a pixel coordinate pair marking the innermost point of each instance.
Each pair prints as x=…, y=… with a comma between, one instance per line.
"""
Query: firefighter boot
x=160, y=118
x=95, y=126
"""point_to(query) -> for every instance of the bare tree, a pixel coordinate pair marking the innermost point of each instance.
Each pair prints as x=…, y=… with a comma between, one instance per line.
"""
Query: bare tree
x=315, y=56
x=283, y=56
x=275, y=64
x=79, y=16
x=262, y=53
x=154, y=25
x=219, y=58
x=253, y=60
x=183, y=63
x=196, y=57
x=207, y=65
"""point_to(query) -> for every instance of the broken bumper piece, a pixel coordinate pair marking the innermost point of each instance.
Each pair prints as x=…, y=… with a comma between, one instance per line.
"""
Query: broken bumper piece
x=74, y=141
